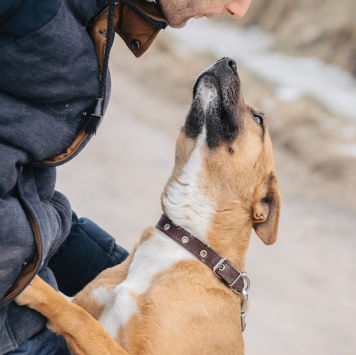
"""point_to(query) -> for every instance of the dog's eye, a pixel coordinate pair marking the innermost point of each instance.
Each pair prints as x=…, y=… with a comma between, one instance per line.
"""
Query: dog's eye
x=258, y=118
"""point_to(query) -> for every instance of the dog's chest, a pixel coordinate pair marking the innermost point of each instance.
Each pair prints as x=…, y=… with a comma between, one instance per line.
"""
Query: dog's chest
x=156, y=254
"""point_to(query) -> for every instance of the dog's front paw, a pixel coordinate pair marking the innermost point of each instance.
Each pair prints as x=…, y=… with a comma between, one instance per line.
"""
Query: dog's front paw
x=33, y=294
x=25, y=297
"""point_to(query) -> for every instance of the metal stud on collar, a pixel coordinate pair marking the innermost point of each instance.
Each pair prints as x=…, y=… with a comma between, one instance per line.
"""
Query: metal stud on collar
x=166, y=226
x=203, y=253
x=185, y=239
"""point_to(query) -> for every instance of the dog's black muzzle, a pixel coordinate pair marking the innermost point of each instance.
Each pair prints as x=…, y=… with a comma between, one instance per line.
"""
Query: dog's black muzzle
x=216, y=99
x=223, y=69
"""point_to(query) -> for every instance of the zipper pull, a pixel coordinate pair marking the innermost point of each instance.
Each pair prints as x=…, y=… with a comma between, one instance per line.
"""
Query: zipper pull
x=93, y=122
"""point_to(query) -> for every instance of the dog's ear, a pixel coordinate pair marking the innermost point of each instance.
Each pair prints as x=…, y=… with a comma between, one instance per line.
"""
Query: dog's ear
x=266, y=213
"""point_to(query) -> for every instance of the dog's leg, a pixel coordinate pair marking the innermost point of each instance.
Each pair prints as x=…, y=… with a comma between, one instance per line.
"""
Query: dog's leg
x=84, y=335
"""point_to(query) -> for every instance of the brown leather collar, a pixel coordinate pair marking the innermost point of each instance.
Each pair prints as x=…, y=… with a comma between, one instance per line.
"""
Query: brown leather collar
x=221, y=267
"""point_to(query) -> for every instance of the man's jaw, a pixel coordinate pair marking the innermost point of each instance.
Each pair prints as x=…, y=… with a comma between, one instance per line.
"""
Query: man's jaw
x=181, y=20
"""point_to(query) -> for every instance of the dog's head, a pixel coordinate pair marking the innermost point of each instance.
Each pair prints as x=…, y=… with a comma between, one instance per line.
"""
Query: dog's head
x=224, y=173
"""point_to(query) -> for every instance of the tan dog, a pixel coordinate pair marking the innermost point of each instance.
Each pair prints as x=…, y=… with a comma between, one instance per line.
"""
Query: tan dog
x=162, y=300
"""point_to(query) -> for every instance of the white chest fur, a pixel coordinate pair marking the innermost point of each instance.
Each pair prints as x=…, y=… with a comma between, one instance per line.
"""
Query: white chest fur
x=185, y=201
x=152, y=256
x=187, y=206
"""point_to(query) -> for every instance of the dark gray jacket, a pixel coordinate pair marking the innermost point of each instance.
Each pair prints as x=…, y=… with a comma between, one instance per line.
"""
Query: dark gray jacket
x=48, y=78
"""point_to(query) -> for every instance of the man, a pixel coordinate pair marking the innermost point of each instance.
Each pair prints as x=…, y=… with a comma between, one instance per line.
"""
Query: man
x=54, y=88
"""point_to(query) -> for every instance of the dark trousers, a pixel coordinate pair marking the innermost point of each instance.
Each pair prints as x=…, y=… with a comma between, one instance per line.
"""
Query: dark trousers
x=86, y=252
x=43, y=343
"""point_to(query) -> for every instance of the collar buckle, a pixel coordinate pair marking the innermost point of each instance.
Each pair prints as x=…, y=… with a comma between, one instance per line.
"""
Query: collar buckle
x=220, y=265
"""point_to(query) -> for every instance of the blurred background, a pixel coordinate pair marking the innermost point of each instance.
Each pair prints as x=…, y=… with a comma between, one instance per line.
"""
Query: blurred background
x=297, y=63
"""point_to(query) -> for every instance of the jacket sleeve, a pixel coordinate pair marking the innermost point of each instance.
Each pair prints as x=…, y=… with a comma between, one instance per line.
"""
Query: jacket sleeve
x=34, y=218
x=17, y=243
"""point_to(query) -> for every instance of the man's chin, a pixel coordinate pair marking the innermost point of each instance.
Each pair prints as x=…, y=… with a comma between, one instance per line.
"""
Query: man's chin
x=174, y=19
x=179, y=23
x=176, y=23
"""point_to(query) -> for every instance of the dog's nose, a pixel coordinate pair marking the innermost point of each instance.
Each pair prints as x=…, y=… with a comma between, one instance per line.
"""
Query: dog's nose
x=232, y=65
x=228, y=63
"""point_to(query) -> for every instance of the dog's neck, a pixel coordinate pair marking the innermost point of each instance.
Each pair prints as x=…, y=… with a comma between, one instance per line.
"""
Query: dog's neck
x=227, y=238
x=225, y=229
x=226, y=232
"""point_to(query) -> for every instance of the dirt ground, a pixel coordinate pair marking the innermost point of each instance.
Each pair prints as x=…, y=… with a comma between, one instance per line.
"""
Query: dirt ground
x=302, y=297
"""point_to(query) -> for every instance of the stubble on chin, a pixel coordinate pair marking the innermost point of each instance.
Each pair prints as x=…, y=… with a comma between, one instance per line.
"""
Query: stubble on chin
x=176, y=12
x=177, y=23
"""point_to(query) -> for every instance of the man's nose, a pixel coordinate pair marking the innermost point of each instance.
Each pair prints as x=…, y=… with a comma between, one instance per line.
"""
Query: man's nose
x=237, y=8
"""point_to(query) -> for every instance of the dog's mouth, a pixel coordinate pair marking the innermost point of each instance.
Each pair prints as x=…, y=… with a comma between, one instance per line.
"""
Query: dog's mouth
x=215, y=104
